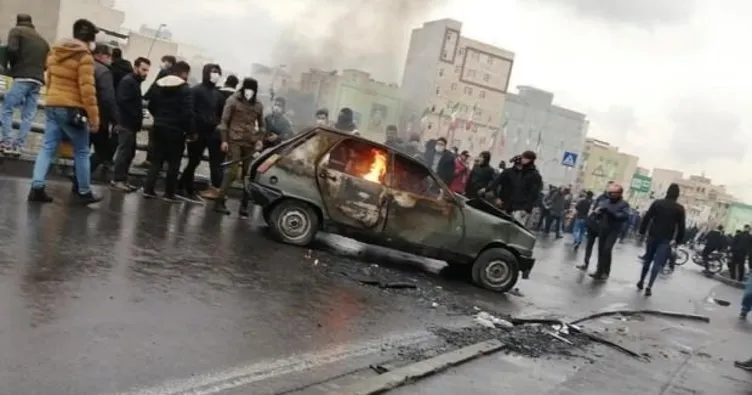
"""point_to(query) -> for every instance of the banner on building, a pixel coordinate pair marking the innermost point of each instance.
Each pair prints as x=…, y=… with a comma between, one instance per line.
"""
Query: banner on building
x=640, y=184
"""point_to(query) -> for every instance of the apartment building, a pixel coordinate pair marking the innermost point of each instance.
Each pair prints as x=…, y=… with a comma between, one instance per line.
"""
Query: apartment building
x=704, y=202
x=602, y=162
x=455, y=87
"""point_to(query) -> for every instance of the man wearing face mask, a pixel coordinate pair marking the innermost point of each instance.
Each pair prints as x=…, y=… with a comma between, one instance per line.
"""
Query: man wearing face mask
x=241, y=127
x=440, y=160
x=278, y=126
x=322, y=117
x=610, y=214
x=131, y=107
x=207, y=112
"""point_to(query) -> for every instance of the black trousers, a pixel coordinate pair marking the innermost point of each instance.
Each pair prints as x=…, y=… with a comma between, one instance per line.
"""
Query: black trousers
x=150, y=147
x=195, y=155
x=104, y=148
x=168, y=147
x=736, y=266
x=606, y=241
x=589, y=244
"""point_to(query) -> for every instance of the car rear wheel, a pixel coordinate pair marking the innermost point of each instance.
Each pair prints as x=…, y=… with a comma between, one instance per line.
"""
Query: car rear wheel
x=293, y=222
x=496, y=270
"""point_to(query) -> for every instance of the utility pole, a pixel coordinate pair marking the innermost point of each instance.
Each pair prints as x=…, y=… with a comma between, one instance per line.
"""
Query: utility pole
x=154, y=40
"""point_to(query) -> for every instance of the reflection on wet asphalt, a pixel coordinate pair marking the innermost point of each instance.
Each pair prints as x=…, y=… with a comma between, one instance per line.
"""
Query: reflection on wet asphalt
x=134, y=292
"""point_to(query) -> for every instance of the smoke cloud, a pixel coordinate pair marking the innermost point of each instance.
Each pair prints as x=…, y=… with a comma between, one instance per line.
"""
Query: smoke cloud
x=370, y=35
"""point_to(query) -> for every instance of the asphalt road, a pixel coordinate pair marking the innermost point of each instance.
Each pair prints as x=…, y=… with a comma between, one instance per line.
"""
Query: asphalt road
x=135, y=296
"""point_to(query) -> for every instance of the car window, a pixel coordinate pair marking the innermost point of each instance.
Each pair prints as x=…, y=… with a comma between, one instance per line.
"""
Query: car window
x=359, y=159
x=412, y=177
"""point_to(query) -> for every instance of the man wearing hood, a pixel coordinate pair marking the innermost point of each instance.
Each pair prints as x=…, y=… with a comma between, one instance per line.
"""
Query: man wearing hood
x=440, y=159
x=666, y=220
x=517, y=188
x=120, y=67
x=71, y=110
x=242, y=128
x=480, y=176
x=131, y=108
x=207, y=111
x=165, y=69
x=278, y=126
x=610, y=213
x=229, y=88
x=171, y=105
x=215, y=143
x=27, y=53
x=346, y=121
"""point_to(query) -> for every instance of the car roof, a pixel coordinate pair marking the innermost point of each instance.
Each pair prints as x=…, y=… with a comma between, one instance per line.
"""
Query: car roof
x=312, y=129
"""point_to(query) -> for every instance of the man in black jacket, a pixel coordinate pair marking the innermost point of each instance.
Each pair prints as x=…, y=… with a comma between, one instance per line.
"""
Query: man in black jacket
x=131, y=108
x=120, y=67
x=171, y=105
x=165, y=69
x=581, y=210
x=740, y=250
x=277, y=124
x=517, y=188
x=480, y=176
x=610, y=213
x=215, y=142
x=666, y=219
x=440, y=160
x=207, y=107
x=108, y=110
x=715, y=240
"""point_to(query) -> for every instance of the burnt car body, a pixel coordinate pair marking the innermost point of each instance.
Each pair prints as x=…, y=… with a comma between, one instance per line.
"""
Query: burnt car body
x=327, y=180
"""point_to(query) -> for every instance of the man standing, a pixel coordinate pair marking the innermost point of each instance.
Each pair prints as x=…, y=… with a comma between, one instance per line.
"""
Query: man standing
x=715, y=240
x=556, y=202
x=740, y=250
x=322, y=117
x=392, y=138
x=215, y=142
x=480, y=176
x=591, y=226
x=131, y=108
x=120, y=67
x=242, y=129
x=171, y=105
x=440, y=160
x=71, y=110
x=27, y=52
x=206, y=107
x=581, y=210
x=610, y=214
x=168, y=61
x=346, y=121
x=277, y=124
x=666, y=220
x=517, y=188
x=108, y=111
x=461, y=171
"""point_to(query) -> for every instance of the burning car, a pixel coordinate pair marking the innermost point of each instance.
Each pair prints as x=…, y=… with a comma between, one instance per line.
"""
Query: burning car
x=335, y=182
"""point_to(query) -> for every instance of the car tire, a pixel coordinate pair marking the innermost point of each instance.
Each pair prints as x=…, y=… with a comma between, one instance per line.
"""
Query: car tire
x=496, y=269
x=293, y=222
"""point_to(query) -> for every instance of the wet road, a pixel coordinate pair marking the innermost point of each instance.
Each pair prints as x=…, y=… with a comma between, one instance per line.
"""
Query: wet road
x=140, y=296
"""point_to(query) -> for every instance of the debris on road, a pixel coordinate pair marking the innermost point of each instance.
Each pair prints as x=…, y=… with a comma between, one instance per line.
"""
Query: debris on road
x=629, y=313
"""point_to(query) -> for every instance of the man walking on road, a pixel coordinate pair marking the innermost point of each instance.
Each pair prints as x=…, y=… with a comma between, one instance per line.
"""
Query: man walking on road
x=131, y=108
x=171, y=105
x=27, y=53
x=72, y=110
x=740, y=250
x=610, y=214
x=108, y=111
x=666, y=220
x=581, y=210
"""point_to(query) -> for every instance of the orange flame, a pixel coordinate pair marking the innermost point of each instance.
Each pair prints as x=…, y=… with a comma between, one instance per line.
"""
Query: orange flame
x=378, y=167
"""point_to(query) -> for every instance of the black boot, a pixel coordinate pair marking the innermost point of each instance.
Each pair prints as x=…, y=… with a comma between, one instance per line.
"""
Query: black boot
x=221, y=207
x=88, y=198
x=39, y=195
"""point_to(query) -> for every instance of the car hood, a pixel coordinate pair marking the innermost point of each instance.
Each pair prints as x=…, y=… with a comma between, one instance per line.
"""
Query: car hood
x=485, y=206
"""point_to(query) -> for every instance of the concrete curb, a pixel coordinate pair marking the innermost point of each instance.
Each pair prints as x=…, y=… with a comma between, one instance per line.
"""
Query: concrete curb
x=418, y=370
x=728, y=281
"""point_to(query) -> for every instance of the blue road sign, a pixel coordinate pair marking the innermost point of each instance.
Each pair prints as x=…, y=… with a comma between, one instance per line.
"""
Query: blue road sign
x=569, y=159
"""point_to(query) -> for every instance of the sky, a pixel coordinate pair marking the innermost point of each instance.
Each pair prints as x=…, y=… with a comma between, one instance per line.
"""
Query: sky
x=666, y=80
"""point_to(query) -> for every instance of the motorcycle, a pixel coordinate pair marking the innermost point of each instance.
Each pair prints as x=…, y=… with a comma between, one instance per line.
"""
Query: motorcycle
x=716, y=261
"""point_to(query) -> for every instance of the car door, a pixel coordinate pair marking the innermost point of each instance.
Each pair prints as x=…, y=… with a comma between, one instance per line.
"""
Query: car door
x=421, y=212
x=351, y=179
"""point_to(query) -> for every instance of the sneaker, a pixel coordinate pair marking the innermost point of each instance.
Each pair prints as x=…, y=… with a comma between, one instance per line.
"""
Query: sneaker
x=746, y=365
x=243, y=213
x=648, y=292
x=39, y=195
x=210, y=194
x=6, y=148
x=190, y=198
x=148, y=194
x=640, y=286
x=582, y=267
x=598, y=276
x=170, y=199
x=89, y=198
x=221, y=208
x=122, y=186
x=742, y=316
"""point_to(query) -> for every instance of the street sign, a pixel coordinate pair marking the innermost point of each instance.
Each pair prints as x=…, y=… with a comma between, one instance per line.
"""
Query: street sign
x=640, y=183
x=569, y=159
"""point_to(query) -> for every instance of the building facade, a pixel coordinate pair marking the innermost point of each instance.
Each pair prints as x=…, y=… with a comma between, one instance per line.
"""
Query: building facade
x=602, y=162
x=375, y=104
x=705, y=203
x=532, y=122
x=455, y=87
x=739, y=214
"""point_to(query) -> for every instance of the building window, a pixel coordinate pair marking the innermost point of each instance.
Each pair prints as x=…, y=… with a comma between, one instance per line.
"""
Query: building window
x=468, y=90
x=461, y=51
x=441, y=72
x=475, y=55
x=490, y=60
x=454, y=86
x=457, y=69
x=444, y=54
x=438, y=90
x=486, y=77
x=471, y=73
x=482, y=94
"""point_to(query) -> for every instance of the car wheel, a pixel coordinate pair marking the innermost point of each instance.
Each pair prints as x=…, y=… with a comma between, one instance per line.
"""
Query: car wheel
x=496, y=270
x=294, y=222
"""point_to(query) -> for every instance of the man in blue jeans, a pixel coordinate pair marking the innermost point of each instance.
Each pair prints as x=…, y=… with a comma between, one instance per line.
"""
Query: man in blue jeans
x=666, y=219
x=27, y=53
x=71, y=110
x=581, y=211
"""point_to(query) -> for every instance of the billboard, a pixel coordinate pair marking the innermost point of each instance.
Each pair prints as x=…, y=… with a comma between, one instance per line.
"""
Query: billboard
x=739, y=214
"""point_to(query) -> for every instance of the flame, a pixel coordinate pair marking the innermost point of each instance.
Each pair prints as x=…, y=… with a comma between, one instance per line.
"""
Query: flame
x=378, y=167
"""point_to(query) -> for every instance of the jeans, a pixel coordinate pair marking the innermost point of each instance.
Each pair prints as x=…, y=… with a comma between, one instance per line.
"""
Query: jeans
x=26, y=95
x=555, y=220
x=168, y=147
x=57, y=125
x=126, y=151
x=657, y=253
x=579, y=229
x=747, y=298
x=195, y=155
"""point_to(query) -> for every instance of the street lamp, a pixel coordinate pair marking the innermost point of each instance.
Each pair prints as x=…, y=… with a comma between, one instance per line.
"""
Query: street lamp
x=154, y=40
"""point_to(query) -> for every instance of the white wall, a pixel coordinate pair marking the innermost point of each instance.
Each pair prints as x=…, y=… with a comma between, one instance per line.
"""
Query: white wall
x=93, y=10
x=138, y=45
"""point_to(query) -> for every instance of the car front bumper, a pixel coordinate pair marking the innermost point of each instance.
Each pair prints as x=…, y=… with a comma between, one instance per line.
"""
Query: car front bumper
x=526, y=266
